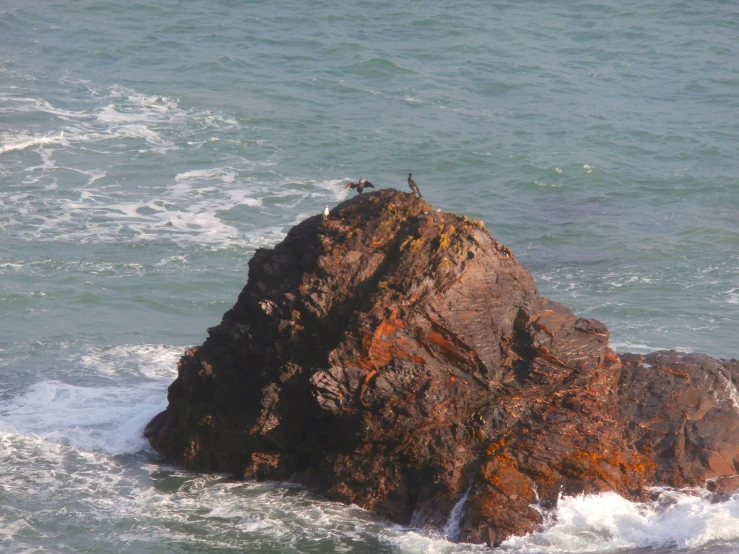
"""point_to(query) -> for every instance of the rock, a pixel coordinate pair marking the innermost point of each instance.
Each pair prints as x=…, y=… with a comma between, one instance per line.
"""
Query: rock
x=401, y=359
x=683, y=409
x=723, y=487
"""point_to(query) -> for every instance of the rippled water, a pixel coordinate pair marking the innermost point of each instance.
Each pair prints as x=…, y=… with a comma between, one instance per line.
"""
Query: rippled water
x=146, y=151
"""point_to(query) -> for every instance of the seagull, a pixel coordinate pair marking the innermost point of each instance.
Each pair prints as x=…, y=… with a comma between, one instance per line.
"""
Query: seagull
x=414, y=186
x=360, y=186
x=325, y=212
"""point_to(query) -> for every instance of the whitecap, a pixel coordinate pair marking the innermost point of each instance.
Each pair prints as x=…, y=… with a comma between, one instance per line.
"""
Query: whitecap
x=22, y=104
x=154, y=361
x=218, y=173
x=97, y=418
x=4, y=266
x=21, y=142
x=109, y=114
x=607, y=522
x=110, y=419
x=733, y=296
x=626, y=346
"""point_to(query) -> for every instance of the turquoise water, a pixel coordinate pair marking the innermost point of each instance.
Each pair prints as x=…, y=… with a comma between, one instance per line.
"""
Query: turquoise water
x=146, y=151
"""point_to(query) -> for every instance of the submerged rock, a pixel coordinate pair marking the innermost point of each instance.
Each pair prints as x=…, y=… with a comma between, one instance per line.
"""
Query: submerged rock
x=401, y=359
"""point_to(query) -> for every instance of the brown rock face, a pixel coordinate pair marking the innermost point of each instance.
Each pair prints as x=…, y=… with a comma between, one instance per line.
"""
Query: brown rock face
x=402, y=360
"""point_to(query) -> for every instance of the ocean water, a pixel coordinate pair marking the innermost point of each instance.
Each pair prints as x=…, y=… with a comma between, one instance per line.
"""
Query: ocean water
x=147, y=149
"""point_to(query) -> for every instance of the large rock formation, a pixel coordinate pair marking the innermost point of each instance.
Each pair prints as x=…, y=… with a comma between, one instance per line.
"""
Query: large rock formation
x=402, y=359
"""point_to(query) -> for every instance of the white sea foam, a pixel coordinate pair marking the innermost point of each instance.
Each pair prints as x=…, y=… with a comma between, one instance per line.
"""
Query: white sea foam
x=197, y=206
x=143, y=132
x=110, y=419
x=626, y=346
x=22, y=104
x=107, y=418
x=733, y=296
x=155, y=361
x=334, y=188
x=412, y=542
x=173, y=260
x=190, y=209
x=21, y=142
x=127, y=114
x=109, y=114
x=607, y=522
x=206, y=512
x=5, y=266
x=221, y=174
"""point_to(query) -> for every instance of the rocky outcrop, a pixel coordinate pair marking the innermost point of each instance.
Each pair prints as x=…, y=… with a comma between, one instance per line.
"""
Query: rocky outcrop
x=403, y=360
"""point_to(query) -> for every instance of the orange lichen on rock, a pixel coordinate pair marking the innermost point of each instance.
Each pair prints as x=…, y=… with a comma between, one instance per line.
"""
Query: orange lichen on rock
x=446, y=349
x=615, y=469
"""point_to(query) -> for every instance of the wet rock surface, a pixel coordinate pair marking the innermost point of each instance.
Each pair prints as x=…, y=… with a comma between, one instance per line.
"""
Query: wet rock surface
x=402, y=359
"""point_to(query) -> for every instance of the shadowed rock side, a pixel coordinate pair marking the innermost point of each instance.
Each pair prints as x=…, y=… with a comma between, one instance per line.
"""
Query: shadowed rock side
x=402, y=359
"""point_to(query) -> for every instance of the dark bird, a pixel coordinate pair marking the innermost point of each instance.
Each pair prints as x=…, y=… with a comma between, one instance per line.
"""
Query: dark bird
x=414, y=186
x=360, y=186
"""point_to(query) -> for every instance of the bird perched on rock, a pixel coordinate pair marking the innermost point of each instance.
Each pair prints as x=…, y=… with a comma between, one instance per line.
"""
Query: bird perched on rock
x=360, y=186
x=414, y=186
x=325, y=212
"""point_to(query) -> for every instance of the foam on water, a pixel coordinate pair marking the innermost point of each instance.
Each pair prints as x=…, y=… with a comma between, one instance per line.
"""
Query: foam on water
x=91, y=418
x=635, y=347
x=21, y=142
x=188, y=210
x=54, y=484
x=195, y=205
x=154, y=361
x=607, y=522
x=15, y=104
x=227, y=176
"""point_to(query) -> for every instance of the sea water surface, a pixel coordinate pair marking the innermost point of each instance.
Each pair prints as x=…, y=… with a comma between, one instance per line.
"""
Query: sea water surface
x=147, y=149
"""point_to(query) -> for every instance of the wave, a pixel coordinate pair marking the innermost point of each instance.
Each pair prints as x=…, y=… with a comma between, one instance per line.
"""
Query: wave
x=606, y=522
x=108, y=418
x=203, y=174
x=21, y=142
x=732, y=296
